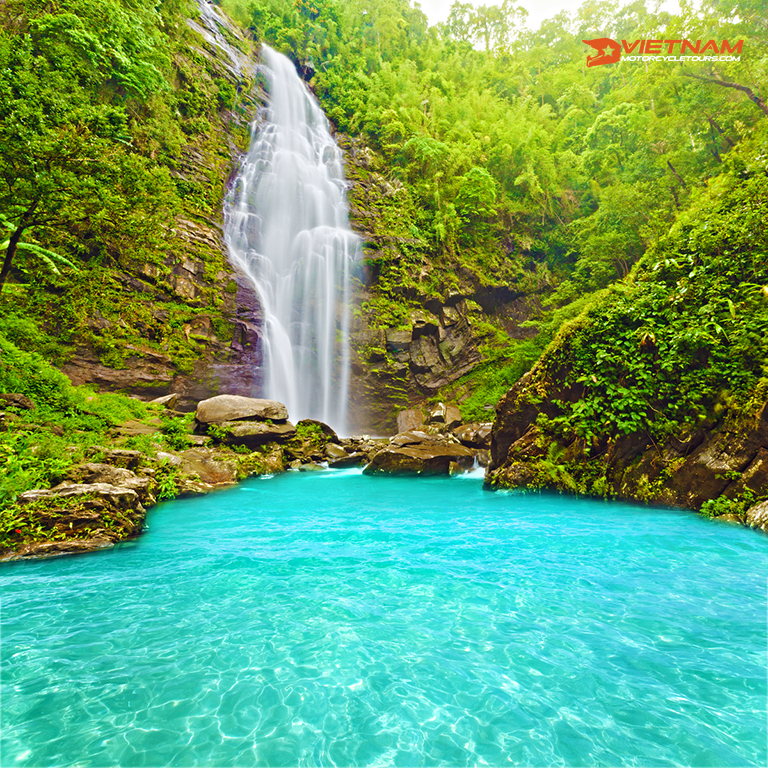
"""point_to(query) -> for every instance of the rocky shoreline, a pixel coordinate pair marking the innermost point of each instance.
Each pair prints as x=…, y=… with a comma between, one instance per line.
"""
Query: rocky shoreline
x=104, y=500
x=720, y=469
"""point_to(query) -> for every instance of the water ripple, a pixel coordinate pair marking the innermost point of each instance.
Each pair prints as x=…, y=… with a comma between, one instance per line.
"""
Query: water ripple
x=377, y=621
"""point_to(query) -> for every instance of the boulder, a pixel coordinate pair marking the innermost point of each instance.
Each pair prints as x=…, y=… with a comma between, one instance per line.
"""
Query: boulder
x=349, y=460
x=324, y=428
x=200, y=463
x=223, y=408
x=437, y=414
x=117, y=457
x=99, y=473
x=412, y=437
x=475, y=435
x=423, y=458
x=93, y=473
x=333, y=451
x=256, y=433
x=169, y=401
x=17, y=400
x=452, y=416
x=408, y=420
x=757, y=516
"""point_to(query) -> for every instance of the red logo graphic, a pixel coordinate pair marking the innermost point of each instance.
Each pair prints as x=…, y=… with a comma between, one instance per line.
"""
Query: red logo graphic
x=608, y=51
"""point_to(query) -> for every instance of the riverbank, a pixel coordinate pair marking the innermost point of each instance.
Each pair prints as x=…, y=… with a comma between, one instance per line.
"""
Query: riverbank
x=98, y=493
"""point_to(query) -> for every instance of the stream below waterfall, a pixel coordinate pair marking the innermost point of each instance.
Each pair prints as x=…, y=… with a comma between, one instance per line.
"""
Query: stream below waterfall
x=332, y=618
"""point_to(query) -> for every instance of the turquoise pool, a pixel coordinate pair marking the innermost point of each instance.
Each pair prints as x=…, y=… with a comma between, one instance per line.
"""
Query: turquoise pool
x=335, y=619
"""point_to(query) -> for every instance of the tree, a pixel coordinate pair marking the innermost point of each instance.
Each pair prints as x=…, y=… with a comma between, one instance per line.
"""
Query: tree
x=66, y=170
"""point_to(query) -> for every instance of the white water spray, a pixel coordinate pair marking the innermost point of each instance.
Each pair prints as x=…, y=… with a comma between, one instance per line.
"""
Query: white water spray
x=287, y=227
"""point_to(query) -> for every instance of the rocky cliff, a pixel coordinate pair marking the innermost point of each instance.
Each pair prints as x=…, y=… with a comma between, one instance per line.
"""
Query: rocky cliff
x=721, y=467
x=189, y=324
x=423, y=318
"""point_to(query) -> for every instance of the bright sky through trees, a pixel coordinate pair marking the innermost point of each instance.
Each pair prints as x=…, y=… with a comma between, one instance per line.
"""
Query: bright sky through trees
x=538, y=10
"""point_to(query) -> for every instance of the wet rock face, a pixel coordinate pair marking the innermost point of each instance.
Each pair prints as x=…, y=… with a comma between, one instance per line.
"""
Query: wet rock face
x=228, y=334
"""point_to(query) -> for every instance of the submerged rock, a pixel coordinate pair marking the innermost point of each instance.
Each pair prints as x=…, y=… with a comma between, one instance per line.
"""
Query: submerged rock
x=223, y=408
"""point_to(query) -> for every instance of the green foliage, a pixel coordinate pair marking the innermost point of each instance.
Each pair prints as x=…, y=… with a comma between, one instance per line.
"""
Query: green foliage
x=725, y=506
x=489, y=381
x=311, y=433
x=177, y=430
x=219, y=432
x=686, y=334
x=166, y=477
x=37, y=446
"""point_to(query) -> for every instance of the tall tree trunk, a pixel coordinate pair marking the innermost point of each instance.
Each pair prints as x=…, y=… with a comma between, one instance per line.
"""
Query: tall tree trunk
x=25, y=222
x=10, y=252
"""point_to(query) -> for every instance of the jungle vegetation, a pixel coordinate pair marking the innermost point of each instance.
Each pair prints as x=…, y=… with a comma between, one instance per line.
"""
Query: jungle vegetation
x=503, y=160
x=508, y=160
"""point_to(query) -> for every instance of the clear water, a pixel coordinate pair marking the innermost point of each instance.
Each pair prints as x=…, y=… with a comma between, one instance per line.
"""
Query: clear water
x=336, y=619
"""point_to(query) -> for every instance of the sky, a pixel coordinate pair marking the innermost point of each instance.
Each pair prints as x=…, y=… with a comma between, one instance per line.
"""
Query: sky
x=538, y=10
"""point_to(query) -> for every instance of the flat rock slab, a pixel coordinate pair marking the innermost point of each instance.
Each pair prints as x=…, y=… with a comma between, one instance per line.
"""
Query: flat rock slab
x=54, y=548
x=221, y=408
x=134, y=428
x=125, y=498
x=420, y=459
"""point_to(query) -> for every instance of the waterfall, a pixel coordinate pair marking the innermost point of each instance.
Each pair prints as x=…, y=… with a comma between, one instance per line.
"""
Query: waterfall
x=287, y=227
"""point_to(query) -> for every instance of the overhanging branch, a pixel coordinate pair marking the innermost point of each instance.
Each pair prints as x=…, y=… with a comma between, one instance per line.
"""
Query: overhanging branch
x=762, y=106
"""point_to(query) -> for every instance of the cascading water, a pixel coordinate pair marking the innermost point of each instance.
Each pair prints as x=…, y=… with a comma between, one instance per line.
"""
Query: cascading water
x=287, y=227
